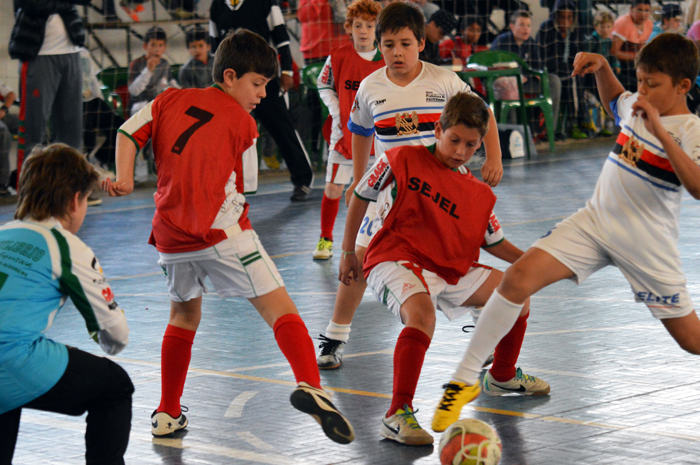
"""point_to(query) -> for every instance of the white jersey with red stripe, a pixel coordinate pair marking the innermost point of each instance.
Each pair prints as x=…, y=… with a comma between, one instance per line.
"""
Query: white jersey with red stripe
x=403, y=115
x=637, y=200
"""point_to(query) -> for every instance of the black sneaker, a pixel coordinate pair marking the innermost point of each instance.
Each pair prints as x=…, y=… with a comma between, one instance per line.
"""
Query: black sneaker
x=163, y=425
x=301, y=193
x=317, y=403
x=331, y=353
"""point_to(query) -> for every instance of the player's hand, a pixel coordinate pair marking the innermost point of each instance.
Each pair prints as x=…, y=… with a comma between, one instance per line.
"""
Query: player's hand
x=587, y=63
x=349, y=192
x=286, y=82
x=152, y=62
x=117, y=188
x=650, y=115
x=492, y=172
x=349, y=269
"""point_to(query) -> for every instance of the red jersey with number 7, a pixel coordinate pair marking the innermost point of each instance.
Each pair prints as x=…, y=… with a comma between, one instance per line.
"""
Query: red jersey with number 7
x=204, y=149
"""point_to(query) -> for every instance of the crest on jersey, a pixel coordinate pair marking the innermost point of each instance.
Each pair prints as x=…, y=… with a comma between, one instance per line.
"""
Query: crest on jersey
x=632, y=151
x=406, y=124
x=234, y=4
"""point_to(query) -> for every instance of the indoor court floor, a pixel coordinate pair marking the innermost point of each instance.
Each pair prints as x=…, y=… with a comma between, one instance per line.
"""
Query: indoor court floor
x=622, y=391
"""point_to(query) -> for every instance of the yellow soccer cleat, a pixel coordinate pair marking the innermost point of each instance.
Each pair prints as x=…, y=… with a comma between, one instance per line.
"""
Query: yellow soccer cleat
x=456, y=396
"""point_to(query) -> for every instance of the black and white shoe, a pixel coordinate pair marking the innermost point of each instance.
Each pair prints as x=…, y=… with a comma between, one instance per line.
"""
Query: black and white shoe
x=317, y=403
x=301, y=193
x=163, y=425
x=331, y=353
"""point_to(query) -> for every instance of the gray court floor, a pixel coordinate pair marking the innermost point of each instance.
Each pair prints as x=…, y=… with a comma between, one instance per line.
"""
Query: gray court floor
x=622, y=391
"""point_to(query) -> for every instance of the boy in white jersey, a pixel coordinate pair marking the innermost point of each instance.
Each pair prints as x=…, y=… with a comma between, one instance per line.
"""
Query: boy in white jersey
x=338, y=82
x=435, y=217
x=630, y=222
x=396, y=105
x=204, y=158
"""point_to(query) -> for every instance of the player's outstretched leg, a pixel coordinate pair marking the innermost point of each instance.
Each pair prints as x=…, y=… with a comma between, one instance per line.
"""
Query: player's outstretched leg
x=329, y=212
x=347, y=300
x=294, y=341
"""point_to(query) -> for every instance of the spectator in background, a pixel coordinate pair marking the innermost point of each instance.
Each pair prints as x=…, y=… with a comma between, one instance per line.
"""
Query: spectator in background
x=149, y=75
x=441, y=23
x=671, y=20
x=197, y=71
x=8, y=98
x=322, y=31
x=427, y=7
x=694, y=32
x=463, y=45
x=46, y=38
x=630, y=33
x=518, y=40
x=559, y=41
x=8, y=126
x=600, y=41
x=99, y=118
x=264, y=17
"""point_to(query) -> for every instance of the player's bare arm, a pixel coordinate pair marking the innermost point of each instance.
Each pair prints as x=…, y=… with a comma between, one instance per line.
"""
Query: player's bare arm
x=349, y=266
x=361, y=148
x=126, y=154
x=506, y=251
x=492, y=169
x=686, y=169
x=609, y=88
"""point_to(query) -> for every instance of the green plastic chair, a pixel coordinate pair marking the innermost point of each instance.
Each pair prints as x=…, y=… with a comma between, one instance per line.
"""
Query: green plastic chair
x=503, y=107
x=309, y=77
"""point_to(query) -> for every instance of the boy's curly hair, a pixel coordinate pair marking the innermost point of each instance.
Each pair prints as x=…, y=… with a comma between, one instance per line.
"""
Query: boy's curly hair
x=363, y=9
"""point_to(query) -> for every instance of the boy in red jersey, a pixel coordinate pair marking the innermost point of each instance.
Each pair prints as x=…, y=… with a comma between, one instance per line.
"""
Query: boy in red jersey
x=435, y=215
x=201, y=226
x=337, y=84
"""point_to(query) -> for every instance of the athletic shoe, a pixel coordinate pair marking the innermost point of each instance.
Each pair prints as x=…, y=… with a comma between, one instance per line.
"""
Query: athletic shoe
x=324, y=249
x=456, y=396
x=577, y=133
x=489, y=360
x=163, y=425
x=331, y=353
x=404, y=428
x=317, y=403
x=523, y=384
x=301, y=193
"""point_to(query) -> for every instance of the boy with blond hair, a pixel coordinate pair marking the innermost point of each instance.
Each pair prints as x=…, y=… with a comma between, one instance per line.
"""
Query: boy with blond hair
x=338, y=82
x=204, y=142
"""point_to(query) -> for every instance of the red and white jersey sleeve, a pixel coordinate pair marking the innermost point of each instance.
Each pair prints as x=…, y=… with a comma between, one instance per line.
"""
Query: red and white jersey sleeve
x=494, y=233
x=375, y=180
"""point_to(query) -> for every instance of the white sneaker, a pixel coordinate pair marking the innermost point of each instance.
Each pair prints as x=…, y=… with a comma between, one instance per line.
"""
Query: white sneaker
x=317, y=403
x=163, y=425
x=324, y=249
x=331, y=354
x=522, y=384
x=404, y=428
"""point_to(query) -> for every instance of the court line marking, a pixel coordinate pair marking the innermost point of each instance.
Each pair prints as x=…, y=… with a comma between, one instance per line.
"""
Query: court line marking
x=193, y=446
x=530, y=416
x=254, y=441
x=235, y=409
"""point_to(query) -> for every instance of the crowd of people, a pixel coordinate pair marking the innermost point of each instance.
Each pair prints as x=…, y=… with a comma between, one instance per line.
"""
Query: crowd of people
x=401, y=129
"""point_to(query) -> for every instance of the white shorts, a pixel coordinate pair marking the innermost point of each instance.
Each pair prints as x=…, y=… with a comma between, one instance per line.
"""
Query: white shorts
x=369, y=226
x=243, y=269
x=578, y=248
x=394, y=282
x=339, y=168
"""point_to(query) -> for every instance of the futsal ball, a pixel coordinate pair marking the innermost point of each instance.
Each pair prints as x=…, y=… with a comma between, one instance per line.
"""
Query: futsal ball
x=470, y=442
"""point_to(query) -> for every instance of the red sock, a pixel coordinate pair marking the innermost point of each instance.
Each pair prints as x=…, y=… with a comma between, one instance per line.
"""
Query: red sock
x=508, y=351
x=329, y=212
x=296, y=345
x=174, y=361
x=408, y=361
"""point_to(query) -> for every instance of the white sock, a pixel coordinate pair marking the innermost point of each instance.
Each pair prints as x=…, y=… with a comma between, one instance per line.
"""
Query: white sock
x=338, y=332
x=496, y=320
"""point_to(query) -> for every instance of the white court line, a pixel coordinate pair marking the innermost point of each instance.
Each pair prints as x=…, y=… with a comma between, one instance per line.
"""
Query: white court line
x=254, y=441
x=235, y=409
x=192, y=446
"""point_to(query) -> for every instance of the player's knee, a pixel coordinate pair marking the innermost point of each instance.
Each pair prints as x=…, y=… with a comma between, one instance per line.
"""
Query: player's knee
x=333, y=191
x=514, y=283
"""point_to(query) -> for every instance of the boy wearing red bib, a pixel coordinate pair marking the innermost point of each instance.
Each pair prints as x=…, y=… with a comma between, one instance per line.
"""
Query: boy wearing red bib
x=204, y=142
x=435, y=216
x=337, y=85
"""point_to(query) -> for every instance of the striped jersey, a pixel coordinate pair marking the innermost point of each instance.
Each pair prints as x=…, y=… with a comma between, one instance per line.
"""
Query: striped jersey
x=41, y=264
x=637, y=200
x=405, y=115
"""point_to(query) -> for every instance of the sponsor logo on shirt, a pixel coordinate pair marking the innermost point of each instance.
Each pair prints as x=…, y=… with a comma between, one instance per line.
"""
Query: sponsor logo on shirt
x=355, y=106
x=632, y=151
x=324, y=76
x=407, y=287
x=22, y=248
x=423, y=188
x=494, y=225
x=431, y=96
x=352, y=85
x=108, y=294
x=379, y=102
x=406, y=124
x=375, y=179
